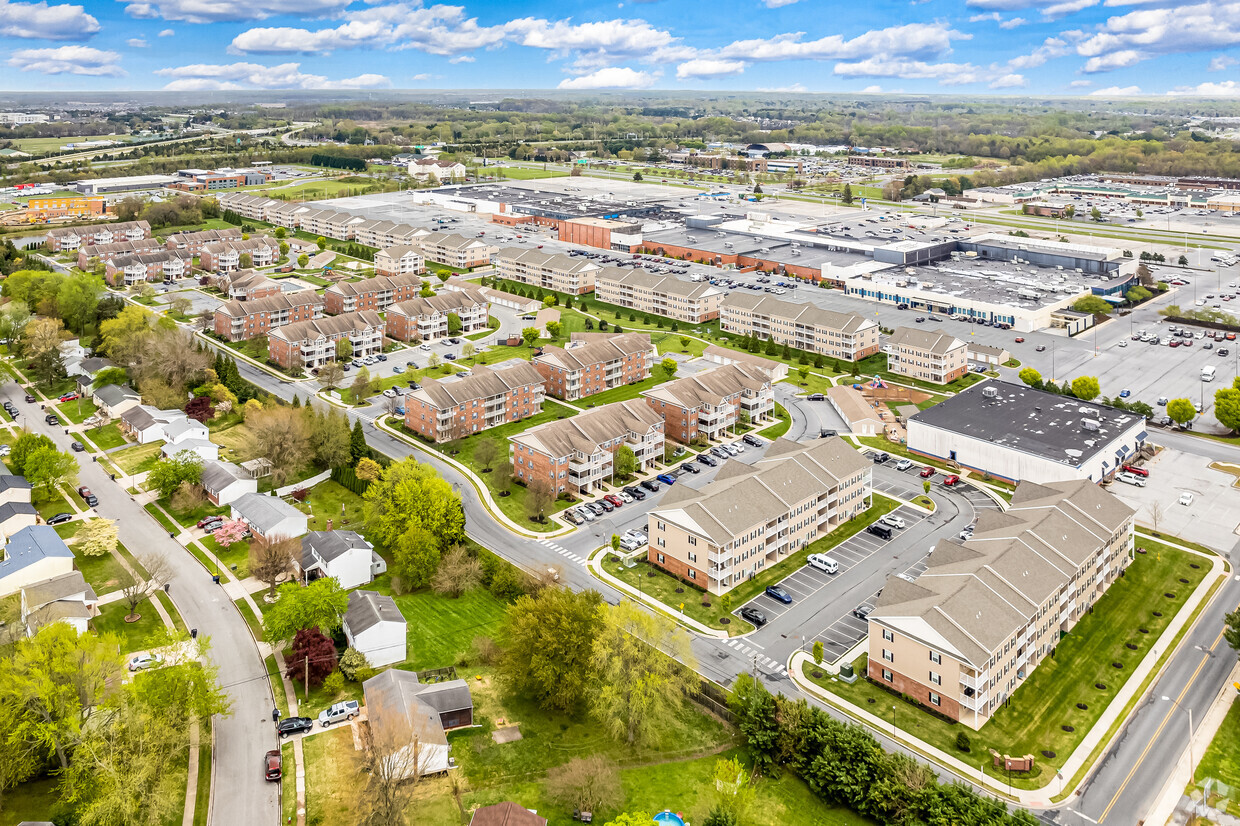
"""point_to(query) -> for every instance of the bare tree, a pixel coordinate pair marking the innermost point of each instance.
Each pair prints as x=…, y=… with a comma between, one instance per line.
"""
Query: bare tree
x=1157, y=512
x=484, y=454
x=538, y=497
x=272, y=559
x=458, y=572
x=330, y=375
x=280, y=435
x=585, y=784
x=396, y=753
x=136, y=590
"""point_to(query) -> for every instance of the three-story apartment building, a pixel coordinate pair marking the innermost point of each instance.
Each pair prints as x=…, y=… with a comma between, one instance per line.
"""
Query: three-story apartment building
x=242, y=320
x=709, y=403
x=193, y=242
x=664, y=295
x=72, y=238
x=969, y=630
x=311, y=344
x=225, y=256
x=456, y=250
x=376, y=293
x=246, y=285
x=424, y=319
x=549, y=271
x=106, y=252
x=583, y=368
x=753, y=516
x=577, y=455
x=846, y=336
x=490, y=396
x=402, y=259
x=382, y=234
x=928, y=355
x=151, y=265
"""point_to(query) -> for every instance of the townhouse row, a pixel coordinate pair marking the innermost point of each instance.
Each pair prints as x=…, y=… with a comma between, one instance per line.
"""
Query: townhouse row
x=150, y=265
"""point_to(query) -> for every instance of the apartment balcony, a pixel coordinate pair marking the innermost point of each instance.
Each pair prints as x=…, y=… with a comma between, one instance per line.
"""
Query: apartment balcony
x=978, y=702
x=977, y=682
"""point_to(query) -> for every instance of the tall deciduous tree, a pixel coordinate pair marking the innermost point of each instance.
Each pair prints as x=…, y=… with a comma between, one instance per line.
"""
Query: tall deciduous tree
x=1227, y=406
x=1181, y=411
x=47, y=468
x=485, y=452
x=321, y=604
x=330, y=375
x=97, y=537
x=1030, y=376
x=550, y=638
x=330, y=439
x=411, y=495
x=586, y=784
x=1085, y=388
x=280, y=434
x=135, y=589
x=395, y=754
x=271, y=560
x=169, y=474
x=624, y=461
x=313, y=657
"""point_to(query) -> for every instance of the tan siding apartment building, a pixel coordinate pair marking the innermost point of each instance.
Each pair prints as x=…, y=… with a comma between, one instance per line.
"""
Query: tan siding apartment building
x=402, y=259
x=583, y=368
x=376, y=293
x=241, y=320
x=193, y=242
x=106, y=252
x=970, y=629
x=152, y=265
x=424, y=319
x=441, y=411
x=664, y=295
x=562, y=273
x=311, y=344
x=709, y=403
x=806, y=327
x=576, y=455
x=928, y=355
x=753, y=516
x=71, y=238
x=225, y=256
x=456, y=250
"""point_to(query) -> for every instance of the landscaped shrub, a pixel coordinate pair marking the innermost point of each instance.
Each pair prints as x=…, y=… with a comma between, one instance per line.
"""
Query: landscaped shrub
x=962, y=741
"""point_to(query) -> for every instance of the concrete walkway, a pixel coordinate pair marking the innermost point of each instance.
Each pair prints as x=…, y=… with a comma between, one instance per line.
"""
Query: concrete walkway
x=596, y=567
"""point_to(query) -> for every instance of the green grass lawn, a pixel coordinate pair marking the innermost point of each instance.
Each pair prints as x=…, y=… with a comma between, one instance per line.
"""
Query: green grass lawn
x=237, y=554
x=813, y=383
x=29, y=801
x=521, y=173
x=332, y=501
x=656, y=583
x=256, y=627
x=378, y=385
x=40, y=146
x=329, y=757
x=876, y=365
x=277, y=684
x=202, y=798
x=441, y=629
x=1032, y=721
x=255, y=348
x=104, y=573
x=288, y=784
x=190, y=518
x=168, y=525
x=137, y=459
x=778, y=429
x=1222, y=758
x=106, y=437
x=318, y=190
x=135, y=636
x=49, y=506
x=77, y=411
x=620, y=394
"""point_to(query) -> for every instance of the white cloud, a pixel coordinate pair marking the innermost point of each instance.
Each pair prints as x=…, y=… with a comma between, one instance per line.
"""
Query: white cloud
x=947, y=74
x=1013, y=23
x=1081, y=84
x=68, y=60
x=794, y=88
x=775, y=4
x=1114, y=60
x=421, y=77
x=909, y=40
x=1051, y=9
x=167, y=33
x=1117, y=92
x=1126, y=39
x=462, y=58
x=982, y=18
x=1052, y=47
x=206, y=76
x=1009, y=81
x=617, y=77
x=1223, y=89
x=39, y=21
x=872, y=90
x=709, y=67
x=600, y=44
x=1221, y=63
x=136, y=43
x=211, y=11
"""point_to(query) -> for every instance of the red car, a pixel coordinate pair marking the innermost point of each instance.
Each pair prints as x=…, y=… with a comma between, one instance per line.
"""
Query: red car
x=207, y=520
x=1136, y=471
x=926, y=473
x=952, y=481
x=68, y=397
x=1020, y=339
x=273, y=765
x=615, y=500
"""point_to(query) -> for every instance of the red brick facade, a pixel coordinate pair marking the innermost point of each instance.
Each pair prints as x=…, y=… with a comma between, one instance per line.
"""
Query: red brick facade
x=914, y=689
x=678, y=423
x=257, y=317
x=422, y=416
x=676, y=567
x=593, y=378
x=368, y=293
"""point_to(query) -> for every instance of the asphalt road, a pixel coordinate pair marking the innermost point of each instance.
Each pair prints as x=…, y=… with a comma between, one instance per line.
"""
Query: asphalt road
x=242, y=737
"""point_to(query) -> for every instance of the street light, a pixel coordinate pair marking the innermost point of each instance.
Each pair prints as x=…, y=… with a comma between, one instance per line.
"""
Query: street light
x=1190, y=732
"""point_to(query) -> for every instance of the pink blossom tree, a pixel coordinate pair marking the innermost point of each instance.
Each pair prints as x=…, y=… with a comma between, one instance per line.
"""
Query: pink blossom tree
x=232, y=532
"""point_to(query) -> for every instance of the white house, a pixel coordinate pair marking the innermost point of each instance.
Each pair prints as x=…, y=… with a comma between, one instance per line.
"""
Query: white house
x=33, y=555
x=270, y=517
x=344, y=555
x=66, y=598
x=146, y=424
x=14, y=516
x=374, y=626
x=115, y=399
x=410, y=710
x=224, y=482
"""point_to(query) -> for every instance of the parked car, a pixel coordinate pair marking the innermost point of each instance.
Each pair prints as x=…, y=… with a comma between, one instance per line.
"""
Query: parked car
x=893, y=521
x=30, y=398
x=881, y=531
x=904, y=464
x=77, y=447
x=880, y=458
x=720, y=451
x=68, y=397
x=636, y=492
x=689, y=467
x=273, y=765
x=573, y=518
x=207, y=520
x=862, y=612
x=585, y=513
x=88, y=497
x=1136, y=471
x=951, y=481
x=613, y=499
x=60, y=519
x=827, y=433
x=926, y=473
x=707, y=459
x=607, y=507
x=666, y=478
x=339, y=712
x=753, y=615
x=294, y=725
x=650, y=485
x=52, y=419
x=815, y=397
x=775, y=592
x=1130, y=479
x=823, y=563
x=1186, y=498
x=752, y=441
x=140, y=661
x=212, y=527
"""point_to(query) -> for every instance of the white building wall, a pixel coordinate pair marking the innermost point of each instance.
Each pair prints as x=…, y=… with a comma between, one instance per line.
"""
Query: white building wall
x=45, y=568
x=351, y=569
x=382, y=644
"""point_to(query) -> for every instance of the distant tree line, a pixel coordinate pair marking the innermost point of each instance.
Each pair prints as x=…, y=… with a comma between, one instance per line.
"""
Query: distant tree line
x=338, y=162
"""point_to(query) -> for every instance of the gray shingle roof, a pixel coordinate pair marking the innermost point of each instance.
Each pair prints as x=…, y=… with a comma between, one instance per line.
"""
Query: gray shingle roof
x=31, y=545
x=710, y=386
x=368, y=608
x=331, y=325
x=45, y=591
x=330, y=544
x=10, y=509
x=396, y=699
x=264, y=512
x=218, y=475
x=581, y=355
x=930, y=341
x=809, y=314
x=584, y=433
x=484, y=383
x=113, y=394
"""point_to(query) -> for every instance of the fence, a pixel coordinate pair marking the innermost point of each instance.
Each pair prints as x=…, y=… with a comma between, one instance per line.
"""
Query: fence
x=304, y=483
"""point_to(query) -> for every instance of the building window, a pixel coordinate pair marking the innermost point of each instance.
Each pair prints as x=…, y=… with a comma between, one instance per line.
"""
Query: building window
x=936, y=679
x=888, y=636
x=659, y=557
x=936, y=657
x=693, y=540
x=887, y=675
x=889, y=656
x=692, y=557
x=692, y=574
x=935, y=700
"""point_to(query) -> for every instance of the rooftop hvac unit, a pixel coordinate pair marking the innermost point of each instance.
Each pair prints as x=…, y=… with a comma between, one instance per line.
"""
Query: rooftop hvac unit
x=1059, y=266
x=990, y=392
x=1092, y=425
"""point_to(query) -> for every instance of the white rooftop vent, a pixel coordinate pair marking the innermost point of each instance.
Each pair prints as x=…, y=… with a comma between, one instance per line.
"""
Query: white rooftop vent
x=990, y=392
x=1091, y=424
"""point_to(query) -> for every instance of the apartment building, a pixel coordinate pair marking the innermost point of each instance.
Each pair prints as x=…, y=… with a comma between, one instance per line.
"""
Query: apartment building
x=490, y=396
x=311, y=344
x=242, y=320
x=152, y=265
x=456, y=250
x=262, y=208
x=193, y=242
x=424, y=319
x=376, y=293
x=928, y=355
x=402, y=259
x=106, y=252
x=382, y=234
x=72, y=238
x=709, y=403
x=846, y=336
x=225, y=256
x=246, y=285
x=969, y=630
x=329, y=223
x=437, y=170
x=753, y=516
x=562, y=273
x=664, y=295
x=576, y=455
x=583, y=368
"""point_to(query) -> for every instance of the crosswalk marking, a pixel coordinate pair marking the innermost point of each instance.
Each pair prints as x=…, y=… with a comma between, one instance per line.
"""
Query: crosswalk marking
x=562, y=551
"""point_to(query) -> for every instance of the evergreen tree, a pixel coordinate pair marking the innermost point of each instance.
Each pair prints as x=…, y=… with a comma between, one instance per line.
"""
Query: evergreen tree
x=357, y=443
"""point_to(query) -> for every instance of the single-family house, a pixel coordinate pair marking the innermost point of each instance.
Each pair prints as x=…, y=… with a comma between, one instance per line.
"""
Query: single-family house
x=145, y=424
x=270, y=517
x=224, y=482
x=344, y=555
x=14, y=516
x=411, y=711
x=115, y=399
x=186, y=434
x=375, y=627
x=505, y=814
x=32, y=555
x=66, y=598
x=13, y=488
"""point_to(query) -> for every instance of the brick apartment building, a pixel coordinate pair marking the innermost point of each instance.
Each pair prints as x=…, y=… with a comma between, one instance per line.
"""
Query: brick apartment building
x=442, y=411
x=927, y=355
x=311, y=344
x=970, y=629
x=242, y=320
x=846, y=336
x=583, y=368
x=151, y=265
x=456, y=250
x=246, y=285
x=576, y=455
x=709, y=403
x=376, y=293
x=225, y=256
x=402, y=259
x=562, y=273
x=425, y=319
x=753, y=516
x=262, y=208
x=664, y=295
x=193, y=242
x=879, y=162
x=72, y=238
x=106, y=252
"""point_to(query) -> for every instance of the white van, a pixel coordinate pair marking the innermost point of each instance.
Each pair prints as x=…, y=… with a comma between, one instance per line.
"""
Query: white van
x=823, y=563
x=1207, y=372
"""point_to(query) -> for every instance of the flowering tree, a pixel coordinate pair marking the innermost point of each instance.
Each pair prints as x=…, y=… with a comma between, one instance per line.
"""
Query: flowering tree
x=232, y=532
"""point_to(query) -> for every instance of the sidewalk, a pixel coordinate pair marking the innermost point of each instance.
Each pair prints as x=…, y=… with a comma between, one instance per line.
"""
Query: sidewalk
x=596, y=567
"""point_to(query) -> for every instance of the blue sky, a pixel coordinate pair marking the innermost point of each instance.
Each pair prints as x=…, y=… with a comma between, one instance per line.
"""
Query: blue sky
x=1036, y=47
